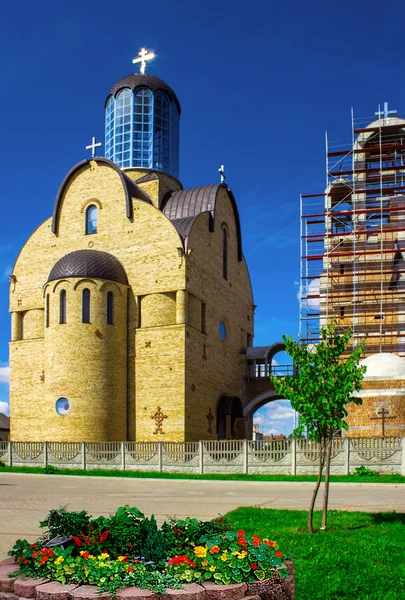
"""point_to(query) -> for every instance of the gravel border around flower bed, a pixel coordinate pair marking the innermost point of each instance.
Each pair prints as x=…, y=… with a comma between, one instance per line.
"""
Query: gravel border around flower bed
x=269, y=589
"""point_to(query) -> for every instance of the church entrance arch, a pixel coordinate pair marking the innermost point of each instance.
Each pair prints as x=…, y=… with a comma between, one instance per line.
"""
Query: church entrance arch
x=230, y=418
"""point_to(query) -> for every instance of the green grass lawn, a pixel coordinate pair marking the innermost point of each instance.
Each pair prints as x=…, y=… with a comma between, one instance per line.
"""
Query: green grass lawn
x=359, y=556
x=233, y=477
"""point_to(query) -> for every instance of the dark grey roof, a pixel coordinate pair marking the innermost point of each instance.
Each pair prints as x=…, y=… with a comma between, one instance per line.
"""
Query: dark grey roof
x=131, y=190
x=190, y=203
x=89, y=263
x=184, y=226
x=4, y=422
x=150, y=81
x=148, y=177
x=258, y=352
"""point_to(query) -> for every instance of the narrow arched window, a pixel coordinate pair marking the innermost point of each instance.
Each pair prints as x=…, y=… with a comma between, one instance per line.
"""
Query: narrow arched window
x=224, y=253
x=110, y=308
x=62, y=307
x=47, y=311
x=91, y=219
x=86, y=306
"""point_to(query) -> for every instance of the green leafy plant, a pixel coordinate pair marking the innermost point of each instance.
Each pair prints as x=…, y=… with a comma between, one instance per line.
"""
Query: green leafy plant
x=230, y=558
x=89, y=551
x=320, y=389
x=50, y=470
x=365, y=472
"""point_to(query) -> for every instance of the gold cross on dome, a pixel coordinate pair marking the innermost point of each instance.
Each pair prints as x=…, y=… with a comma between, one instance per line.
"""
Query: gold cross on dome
x=144, y=55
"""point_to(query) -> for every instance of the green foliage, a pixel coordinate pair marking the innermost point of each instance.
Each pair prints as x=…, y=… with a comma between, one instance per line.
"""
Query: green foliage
x=89, y=551
x=324, y=383
x=383, y=478
x=62, y=522
x=2, y=463
x=360, y=556
x=50, y=470
x=365, y=472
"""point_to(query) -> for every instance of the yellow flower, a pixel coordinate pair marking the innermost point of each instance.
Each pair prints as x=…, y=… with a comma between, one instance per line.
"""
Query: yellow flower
x=224, y=556
x=87, y=573
x=122, y=558
x=235, y=553
x=59, y=560
x=92, y=556
x=102, y=564
x=204, y=563
x=103, y=556
x=212, y=568
x=241, y=555
x=200, y=551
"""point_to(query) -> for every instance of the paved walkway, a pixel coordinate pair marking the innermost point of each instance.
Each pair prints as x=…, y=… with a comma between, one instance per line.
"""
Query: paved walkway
x=26, y=499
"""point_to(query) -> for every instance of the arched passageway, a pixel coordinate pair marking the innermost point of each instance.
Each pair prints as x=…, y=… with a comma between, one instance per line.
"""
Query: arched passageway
x=230, y=419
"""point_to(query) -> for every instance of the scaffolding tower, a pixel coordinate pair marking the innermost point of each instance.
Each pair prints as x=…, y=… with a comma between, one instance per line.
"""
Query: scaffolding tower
x=352, y=266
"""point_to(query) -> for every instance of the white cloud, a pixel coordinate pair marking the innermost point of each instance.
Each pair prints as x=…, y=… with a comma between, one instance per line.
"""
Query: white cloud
x=5, y=374
x=7, y=272
x=275, y=418
x=312, y=289
x=4, y=407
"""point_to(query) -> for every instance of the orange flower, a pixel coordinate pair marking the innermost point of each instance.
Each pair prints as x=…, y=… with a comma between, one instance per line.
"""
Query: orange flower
x=271, y=543
x=256, y=540
x=215, y=549
x=204, y=563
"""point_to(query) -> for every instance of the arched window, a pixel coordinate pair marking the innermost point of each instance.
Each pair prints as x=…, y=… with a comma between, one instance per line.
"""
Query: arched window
x=91, y=219
x=86, y=306
x=161, y=132
x=224, y=253
x=143, y=120
x=62, y=307
x=47, y=311
x=123, y=111
x=110, y=308
x=109, y=129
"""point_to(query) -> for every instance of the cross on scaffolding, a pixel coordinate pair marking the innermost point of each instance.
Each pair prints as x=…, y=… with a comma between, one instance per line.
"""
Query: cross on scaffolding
x=144, y=55
x=93, y=146
x=221, y=171
x=386, y=114
x=383, y=413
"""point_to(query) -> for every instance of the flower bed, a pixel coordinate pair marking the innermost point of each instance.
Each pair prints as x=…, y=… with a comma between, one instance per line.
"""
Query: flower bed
x=128, y=551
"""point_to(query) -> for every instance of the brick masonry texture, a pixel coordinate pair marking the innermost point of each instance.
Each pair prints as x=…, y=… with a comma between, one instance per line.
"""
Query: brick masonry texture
x=156, y=354
x=277, y=589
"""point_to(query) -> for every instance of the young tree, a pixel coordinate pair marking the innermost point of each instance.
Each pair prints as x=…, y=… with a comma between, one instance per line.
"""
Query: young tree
x=322, y=385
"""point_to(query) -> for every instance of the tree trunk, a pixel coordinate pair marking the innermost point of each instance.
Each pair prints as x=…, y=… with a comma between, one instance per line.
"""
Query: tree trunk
x=316, y=489
x=326, y=493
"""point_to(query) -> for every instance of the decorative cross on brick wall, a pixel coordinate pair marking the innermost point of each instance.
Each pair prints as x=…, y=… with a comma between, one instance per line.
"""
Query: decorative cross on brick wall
x=383, y=413
x=158, y=417
x=210, y=418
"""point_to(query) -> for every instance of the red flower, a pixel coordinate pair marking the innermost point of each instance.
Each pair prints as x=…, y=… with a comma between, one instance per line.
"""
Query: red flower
x=176, y=531
x=34, y=554
x=33, y=546
x=242, y=541
x=77, y=540
x=241, y=533
x=279, y=554
x=254, y=566
x=85, y=555
x=256, y=540
x=104, y=536
x=131, y=568
x=26, y=561
x=271, y=543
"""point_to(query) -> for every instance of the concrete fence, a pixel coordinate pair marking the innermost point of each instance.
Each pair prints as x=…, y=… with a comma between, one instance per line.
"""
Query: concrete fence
x=297, y=457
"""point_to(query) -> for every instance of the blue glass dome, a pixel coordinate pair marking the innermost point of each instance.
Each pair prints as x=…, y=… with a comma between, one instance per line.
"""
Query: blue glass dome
x=142, y=124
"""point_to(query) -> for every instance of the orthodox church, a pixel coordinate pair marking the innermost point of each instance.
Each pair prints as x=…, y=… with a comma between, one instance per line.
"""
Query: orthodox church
x=131, y=306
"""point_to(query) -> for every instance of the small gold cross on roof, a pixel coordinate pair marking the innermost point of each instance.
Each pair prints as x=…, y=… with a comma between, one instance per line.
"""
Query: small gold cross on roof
x=144, y=55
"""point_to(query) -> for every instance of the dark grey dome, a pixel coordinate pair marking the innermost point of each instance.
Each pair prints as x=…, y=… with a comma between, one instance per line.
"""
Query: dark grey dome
x=89, y=263
x=150, y=81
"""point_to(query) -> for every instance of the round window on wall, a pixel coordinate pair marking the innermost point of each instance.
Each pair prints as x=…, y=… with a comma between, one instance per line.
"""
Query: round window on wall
x=62, y=406
x=222, y=331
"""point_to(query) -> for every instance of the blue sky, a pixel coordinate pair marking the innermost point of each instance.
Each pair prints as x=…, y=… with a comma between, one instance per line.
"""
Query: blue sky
x=258, y=82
